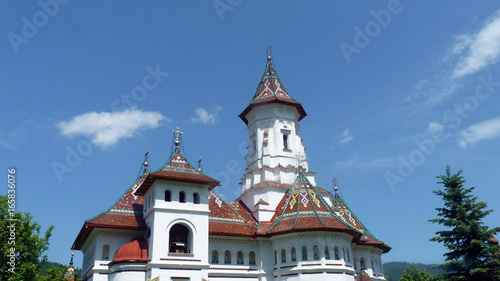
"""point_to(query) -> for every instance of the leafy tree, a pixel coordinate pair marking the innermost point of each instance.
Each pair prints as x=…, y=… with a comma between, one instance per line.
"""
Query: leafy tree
x=26, y=251
x=412, y=273
x=471, y=255
x=57, y=273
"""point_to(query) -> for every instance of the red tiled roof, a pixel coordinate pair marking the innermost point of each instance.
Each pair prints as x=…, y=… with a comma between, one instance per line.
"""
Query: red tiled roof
x=126, y=213
x=229, y=218
x=344, y=212
x=303, y=209
x=135, y=251
x=179, y=169
x=271, y=90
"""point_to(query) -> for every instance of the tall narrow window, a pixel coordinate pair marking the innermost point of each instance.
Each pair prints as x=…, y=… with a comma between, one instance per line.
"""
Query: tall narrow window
x=283, y=255
x=316, y=252
x=182, y=197
x=239, y=257
x=285, y=141
x=105, y=252
x=362, y=263
x=215, y=257
x=327, y=253
x=348, y=256
x=168, y=196
x=196, y=198
x=294, y=254
x=227, y=257
x=336, y=250
x=304, y=253
x=275, y=257
x=251, y=258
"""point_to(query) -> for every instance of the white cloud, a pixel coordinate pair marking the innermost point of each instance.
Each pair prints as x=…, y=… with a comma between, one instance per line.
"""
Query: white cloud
x=345, y=138
x=105, y=129
x=201, y=115
x=434, y=127
x=488, y=129
x=478, y=50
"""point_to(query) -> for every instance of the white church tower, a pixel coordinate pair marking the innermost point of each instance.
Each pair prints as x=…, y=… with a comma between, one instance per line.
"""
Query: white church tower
x=275, y=151
x=176, y=216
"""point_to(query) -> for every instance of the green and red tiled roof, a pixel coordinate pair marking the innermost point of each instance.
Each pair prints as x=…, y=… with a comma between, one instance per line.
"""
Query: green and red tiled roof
x=345, y=213
x=229, y=217
x=125, y=213
x=271, y=90
x=303, y=208
x=179, y=169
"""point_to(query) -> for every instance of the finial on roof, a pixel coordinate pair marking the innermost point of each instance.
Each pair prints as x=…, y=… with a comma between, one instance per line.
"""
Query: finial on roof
x=199, y=164
x=177, y=135
x=334, y=180
x=269, y=53
x=146, y=164
x=71, y=262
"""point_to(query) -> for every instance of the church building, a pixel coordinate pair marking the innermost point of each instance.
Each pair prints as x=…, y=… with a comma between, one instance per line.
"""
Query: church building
x=170, y=225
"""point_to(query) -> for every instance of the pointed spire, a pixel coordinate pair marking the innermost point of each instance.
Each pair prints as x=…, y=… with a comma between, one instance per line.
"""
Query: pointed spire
x=271, y=90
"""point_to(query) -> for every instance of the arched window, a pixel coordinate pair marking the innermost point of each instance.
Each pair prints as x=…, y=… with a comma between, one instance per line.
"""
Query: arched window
x=196, y=198
x=283, y=255
x=343, y=254
x=275, y=257
x=316, y=252
x=168, y=196
x=251, y=258
x=362, y=263
x=182, y=197
x=294, y=255
x=105, y=252
x=179, y=239
x=239, y=257
x=336, y=251
x=304, y=253
x=327, y=253
x=227, y=257
x=215, y=256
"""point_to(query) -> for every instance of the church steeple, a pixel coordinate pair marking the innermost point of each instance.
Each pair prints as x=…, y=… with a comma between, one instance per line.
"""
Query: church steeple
x=275, y=150
x=271, y=90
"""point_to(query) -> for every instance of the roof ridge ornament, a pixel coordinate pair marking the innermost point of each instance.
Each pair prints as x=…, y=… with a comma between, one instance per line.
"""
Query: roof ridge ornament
x=177, y=135
x=269, y=53
x=146, y=164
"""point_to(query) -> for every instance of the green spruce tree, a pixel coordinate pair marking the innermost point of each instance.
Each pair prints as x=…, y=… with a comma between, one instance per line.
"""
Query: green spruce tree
x=471, y=256
x=22, y=246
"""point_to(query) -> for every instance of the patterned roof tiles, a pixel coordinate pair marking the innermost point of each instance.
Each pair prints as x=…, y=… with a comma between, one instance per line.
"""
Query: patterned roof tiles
x=125, y=213
x=177, y=168
x=270, y=90
x=229, y=218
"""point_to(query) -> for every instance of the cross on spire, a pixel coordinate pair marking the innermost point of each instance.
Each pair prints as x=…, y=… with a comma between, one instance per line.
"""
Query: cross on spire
x=268, y=52
x=177, y=135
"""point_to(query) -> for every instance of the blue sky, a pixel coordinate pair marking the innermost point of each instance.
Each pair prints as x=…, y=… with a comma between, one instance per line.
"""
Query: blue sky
x=394, y=91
